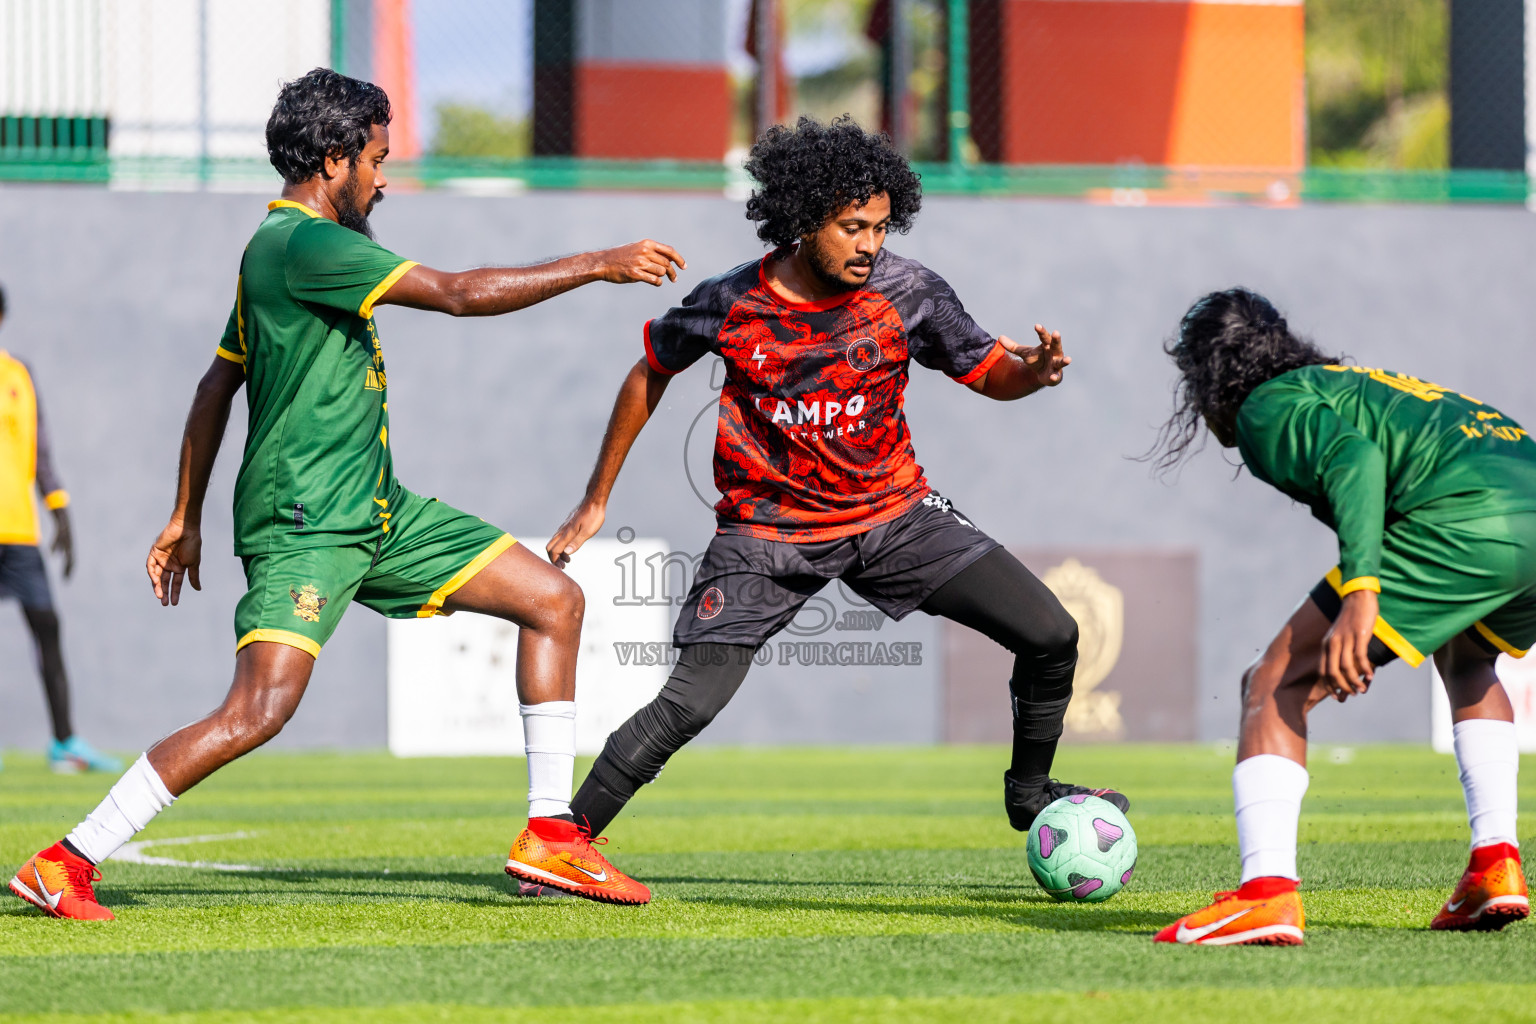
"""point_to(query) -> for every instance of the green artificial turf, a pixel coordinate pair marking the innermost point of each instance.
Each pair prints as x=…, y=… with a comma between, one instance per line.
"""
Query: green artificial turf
x=847, y=885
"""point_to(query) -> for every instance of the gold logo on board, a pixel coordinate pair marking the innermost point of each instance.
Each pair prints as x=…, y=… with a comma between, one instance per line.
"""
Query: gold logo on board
x=1099, y=608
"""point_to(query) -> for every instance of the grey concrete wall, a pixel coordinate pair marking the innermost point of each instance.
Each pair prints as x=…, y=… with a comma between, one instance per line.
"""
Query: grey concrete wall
x=117, y=299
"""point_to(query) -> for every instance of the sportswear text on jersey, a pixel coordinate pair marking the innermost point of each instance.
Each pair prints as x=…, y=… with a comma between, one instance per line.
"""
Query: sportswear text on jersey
x=813, y=441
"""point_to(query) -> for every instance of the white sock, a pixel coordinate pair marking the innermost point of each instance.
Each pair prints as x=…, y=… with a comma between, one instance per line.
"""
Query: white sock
x=131, y=804
x=549, y=737
x=1267, y=791
x=1488, y=753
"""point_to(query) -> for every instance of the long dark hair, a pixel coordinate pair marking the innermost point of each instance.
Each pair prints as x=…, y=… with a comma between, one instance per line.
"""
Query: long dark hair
x=1228, y=344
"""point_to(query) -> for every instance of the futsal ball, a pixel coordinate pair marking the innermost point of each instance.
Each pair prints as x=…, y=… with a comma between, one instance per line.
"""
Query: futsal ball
x=1081, y=849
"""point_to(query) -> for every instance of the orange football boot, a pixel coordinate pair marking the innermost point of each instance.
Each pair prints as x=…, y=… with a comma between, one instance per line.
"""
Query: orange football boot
x=1490, y=895
x=558, y=854
x=60, y=882
x=1264, y=912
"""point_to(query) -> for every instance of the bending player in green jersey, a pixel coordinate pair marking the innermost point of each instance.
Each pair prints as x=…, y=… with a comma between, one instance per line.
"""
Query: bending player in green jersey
x=1433, y=497
x=320, y=520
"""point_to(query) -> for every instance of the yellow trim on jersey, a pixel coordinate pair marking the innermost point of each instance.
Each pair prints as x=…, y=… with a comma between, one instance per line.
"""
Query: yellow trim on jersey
x=1395, y=642
x=56, y=500
x=366, y=309
x=239, y=316
x=1499, y=642
x=278, y=204
x=233, y=357
x=280, y=636
x=434, y=605
x=1383, y=630
x=1370, y=583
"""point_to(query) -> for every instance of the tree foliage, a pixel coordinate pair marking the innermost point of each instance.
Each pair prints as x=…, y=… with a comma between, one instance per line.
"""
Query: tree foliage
x=1376, y=83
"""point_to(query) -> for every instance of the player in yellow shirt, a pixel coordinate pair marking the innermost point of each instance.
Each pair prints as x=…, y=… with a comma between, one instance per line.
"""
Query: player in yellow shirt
x=25, y=463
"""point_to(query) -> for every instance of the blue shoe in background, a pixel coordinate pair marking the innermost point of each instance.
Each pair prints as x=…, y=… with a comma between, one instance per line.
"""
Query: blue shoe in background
x=75, y=755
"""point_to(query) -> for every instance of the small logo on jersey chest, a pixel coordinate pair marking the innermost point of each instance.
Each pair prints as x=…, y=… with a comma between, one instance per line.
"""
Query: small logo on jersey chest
x=863, y=354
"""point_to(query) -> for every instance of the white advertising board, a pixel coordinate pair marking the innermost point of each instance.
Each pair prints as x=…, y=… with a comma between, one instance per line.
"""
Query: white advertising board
x=1519, y=678
x=452, y=679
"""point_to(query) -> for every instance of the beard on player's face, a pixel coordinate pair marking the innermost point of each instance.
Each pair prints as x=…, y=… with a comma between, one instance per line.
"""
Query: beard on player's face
x=831, y=267
x=351, y=211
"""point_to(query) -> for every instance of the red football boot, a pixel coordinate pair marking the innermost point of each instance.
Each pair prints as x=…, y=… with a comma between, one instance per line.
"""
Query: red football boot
x=558, y=854
x=1490, y=895
x=60, y=882
x=1264, y=912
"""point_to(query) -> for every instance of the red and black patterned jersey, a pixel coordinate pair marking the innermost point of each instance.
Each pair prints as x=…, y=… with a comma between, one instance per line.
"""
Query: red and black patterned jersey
x=812, y=441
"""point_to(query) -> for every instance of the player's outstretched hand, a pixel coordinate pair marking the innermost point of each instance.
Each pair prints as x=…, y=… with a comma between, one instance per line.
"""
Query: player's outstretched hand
x=176, y=554
x=1345, y=666
x=579, y=527
x=1045, y=360
x=645, y=260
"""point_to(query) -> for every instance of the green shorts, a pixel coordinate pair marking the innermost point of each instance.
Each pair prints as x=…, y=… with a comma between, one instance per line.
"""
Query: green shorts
x=1476, y=577
x=429, y=550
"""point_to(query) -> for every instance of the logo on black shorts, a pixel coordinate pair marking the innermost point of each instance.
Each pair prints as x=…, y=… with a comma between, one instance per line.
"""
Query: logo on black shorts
x=307, y=602
x=712, y=603
x=863, y=354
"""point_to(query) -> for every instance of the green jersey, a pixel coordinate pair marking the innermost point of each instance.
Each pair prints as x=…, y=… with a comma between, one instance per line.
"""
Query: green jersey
x=317, y=468
x=1364, y=447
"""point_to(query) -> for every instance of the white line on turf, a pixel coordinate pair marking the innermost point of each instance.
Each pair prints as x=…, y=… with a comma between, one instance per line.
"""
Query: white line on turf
x=133, y=853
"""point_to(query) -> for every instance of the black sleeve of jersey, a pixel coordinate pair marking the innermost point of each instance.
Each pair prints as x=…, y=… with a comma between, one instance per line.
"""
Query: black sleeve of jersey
x=48, y=482
x=940, y=334
x=684, y=334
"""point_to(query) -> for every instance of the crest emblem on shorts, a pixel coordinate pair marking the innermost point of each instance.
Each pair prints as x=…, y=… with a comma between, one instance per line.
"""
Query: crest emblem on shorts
x=863, y=354
x=307, y=602
x=712, y=603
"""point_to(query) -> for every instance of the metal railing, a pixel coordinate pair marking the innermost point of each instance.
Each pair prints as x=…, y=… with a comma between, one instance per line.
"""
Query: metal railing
x=468, y=79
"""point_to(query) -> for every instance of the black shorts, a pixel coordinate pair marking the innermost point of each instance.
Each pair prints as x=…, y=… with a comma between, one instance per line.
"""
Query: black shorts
x=749, y=588
x=23, y=577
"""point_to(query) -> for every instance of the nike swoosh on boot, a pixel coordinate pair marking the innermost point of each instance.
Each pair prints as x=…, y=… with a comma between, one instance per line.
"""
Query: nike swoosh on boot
x=600, y=876
x=42, y=887
x=1196, y=934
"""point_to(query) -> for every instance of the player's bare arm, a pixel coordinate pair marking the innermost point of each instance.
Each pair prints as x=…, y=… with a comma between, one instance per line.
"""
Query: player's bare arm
x=343, y=187
x=637, y=399
x=1025, y=369
x=489, y=291
x=178, y=551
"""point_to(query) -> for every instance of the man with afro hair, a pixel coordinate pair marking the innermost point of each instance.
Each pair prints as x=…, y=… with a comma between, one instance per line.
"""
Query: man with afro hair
x=815, y=462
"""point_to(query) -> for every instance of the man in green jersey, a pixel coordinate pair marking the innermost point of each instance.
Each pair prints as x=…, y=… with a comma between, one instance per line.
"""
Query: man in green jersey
x=321, y=521
x=1432, y=494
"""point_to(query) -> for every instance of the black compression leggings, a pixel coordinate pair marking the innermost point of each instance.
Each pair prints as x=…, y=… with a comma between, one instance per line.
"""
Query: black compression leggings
x=44, y=623
x=1001, y=599
x=995, y=595
x=707, y=676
